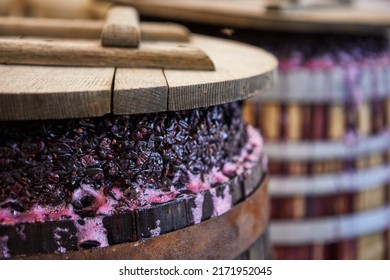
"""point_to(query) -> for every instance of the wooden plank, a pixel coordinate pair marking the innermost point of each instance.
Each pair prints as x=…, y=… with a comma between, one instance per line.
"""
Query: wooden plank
x=139, y=91
x=121, y=28
x=164, y=32
x=86, y=29
x=91, y=53
x=29, y=92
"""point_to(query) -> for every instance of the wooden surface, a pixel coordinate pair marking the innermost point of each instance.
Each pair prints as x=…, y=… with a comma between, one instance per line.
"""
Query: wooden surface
x=223, y=237
x=121, y=28
x=86, y=29
x=140, y=91
x=29, y=92
x=91, y=53
x=361, y=17
x=241, y=71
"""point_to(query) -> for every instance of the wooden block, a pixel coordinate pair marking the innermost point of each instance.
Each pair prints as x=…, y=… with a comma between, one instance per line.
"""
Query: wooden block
x=179, y=214
x=294, y=122
x=90, y=53
x=154, y=221
x=36, y=238
x=336, y=122
x=237, y=190
x=364, y=119
x=54, y=93
x=270, y=118
x=120, y=228
x=162, y=218
x=371, y=247
x=138, y=91
x=370, y=199
x=121, y=28
x=208, y=206
x=164, y=32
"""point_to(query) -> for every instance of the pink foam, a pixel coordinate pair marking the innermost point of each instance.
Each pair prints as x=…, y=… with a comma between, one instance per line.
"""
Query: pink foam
x=92, y=229
x=197, y=212
x=221, y=204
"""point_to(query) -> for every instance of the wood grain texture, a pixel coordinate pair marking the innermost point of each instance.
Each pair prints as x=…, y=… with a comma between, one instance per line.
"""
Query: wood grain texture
x=241, y=72
x=139, y=91
x=91, y=53
x=86, y=29
x=164, y=32
x=121, y=28
x=360, y=18
x=29, y=93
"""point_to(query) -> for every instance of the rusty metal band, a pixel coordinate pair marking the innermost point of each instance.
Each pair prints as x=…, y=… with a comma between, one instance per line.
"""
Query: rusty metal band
x=223, y=237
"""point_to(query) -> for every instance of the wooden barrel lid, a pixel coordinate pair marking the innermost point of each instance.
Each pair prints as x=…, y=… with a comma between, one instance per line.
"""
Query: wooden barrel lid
x=301, y=16
x=53, y=92
x=134, y=68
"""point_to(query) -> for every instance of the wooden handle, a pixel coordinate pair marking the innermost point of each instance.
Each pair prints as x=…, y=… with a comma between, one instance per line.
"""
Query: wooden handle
x=121, y=28
x=89, y=53
x=86, y=29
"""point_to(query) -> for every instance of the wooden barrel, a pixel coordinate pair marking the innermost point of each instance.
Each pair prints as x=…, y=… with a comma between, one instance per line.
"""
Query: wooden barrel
x=325, y=123
x=101, y=160
x=329, y=158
